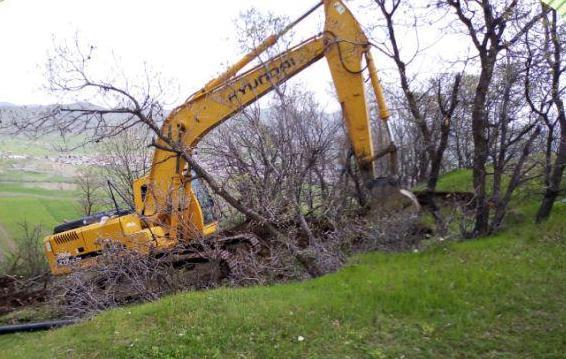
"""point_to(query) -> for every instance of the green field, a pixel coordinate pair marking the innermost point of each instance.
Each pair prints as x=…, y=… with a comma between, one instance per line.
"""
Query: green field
x=36, y=192
x=34, y=205
x=33, y=189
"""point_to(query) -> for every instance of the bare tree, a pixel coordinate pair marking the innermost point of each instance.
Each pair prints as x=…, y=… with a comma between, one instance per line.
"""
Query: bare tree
x=91, y=189
x=435, y=131
x=131, y=106
x=27, y=258
x=461, y=140
x=282, y=161
x=500, y=26
x=129, y=155
x=512, y=132
x=544, y=90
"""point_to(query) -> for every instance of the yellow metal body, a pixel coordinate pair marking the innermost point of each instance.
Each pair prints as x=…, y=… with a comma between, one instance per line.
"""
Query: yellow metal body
x=166, y=204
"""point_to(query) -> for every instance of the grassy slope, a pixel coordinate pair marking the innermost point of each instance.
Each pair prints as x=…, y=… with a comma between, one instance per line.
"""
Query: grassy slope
x=496, y=297
x=458, y=180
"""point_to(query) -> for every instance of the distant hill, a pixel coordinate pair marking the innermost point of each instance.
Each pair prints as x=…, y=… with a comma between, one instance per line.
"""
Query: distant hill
x=25, y=144
x=21, y=113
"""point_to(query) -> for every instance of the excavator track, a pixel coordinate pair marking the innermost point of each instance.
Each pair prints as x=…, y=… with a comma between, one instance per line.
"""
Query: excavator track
x=225, y=251
x=238, y=248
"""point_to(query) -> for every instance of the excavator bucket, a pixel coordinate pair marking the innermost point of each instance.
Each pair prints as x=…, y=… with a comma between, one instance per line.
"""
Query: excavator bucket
x=387, y=197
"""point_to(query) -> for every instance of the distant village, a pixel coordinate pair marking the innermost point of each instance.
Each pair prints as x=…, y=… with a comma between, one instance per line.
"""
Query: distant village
x=67, y=159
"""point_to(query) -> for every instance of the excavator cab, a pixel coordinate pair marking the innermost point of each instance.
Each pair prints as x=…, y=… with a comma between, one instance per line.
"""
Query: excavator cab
x=190, y=196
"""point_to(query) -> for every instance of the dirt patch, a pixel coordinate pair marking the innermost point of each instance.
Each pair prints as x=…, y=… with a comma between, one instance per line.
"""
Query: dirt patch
x=15, y=293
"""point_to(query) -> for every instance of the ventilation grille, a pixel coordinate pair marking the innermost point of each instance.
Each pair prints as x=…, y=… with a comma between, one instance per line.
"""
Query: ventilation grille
x=66, y=237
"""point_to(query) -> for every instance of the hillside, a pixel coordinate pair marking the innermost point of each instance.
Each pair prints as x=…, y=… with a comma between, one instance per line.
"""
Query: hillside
x=499, y=296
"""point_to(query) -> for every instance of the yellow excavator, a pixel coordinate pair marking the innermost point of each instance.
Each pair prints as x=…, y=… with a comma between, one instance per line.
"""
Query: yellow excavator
x=171, y=205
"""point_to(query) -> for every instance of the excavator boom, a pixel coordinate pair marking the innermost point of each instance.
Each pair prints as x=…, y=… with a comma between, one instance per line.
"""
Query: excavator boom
x=344, y=45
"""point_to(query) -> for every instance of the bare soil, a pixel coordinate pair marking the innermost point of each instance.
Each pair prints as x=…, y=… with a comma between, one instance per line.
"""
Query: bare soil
x=15, y=293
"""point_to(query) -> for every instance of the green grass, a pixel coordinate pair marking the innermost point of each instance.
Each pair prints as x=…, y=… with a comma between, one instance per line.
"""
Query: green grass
x=37, y=206
x=28, y=188
x=33, y=177
x=495, y=297
x=454, y=181
x=36, y=211
x=457, y=181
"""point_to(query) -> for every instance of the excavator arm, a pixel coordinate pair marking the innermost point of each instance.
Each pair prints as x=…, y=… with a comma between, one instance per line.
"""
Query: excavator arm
x=344, y=45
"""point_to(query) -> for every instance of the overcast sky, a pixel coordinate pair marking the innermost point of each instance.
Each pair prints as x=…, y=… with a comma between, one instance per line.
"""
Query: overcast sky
x=187, y=41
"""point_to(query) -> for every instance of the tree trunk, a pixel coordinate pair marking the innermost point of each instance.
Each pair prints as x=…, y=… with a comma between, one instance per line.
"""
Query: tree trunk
x=502, y=204
x=553, y=189
x=479, y=128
